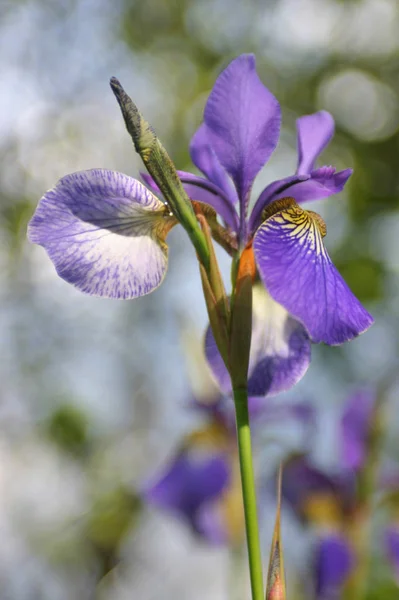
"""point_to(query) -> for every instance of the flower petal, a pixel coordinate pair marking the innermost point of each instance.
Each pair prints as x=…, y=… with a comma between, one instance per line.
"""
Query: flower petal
x=243, y=120
x=276, y=189
x=202, y=190
x=192, y=479
x=322, y=183
x=104, y=232
x=333, y=563
x=280, y=350
x=355, y=424
x=314, y=133
x=392, y=547
x=205, y=159
x=299, y=274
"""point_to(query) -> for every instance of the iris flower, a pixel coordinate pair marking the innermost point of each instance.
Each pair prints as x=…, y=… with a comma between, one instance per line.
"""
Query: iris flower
x=105, y=232
x=328, y=500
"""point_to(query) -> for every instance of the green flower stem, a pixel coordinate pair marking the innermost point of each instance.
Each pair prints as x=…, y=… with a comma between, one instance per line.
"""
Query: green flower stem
x=248, y=493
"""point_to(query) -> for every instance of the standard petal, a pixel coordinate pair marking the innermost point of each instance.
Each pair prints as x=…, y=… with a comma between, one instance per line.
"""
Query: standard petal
x=243, y=120
x=206, y=161
x=355, y=425
x=104, y=232
x=192, y=479
x=332, y=564
x=299, y=274
x=280, y=350
x=314, y=133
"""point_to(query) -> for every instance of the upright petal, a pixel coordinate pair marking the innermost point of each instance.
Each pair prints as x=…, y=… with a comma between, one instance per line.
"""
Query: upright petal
x=243, y=120
x=104, y=232
x=299, y=274
x=280, y=350
x=314, y=133
x=355, y=425
x=333, y=563
x=206, y=160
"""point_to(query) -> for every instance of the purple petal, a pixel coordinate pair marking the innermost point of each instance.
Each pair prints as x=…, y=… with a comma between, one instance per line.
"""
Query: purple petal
x=211, y=525
x=392, y=547
x=192, y=479
x=323, y=182
x=202, y=190
x=299, y=274
x=277, y=189
x=104, y=232
x=355, y=424
x=205, y=159
x=314, y=133
x=243, y=120
x=280, y=350
x=333, y=563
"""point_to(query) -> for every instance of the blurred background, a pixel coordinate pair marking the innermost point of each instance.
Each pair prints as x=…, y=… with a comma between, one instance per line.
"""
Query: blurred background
x=93, y=392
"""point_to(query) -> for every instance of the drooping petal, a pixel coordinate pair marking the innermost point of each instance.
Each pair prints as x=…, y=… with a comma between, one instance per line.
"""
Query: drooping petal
x=332, y=564
x=314, y=133
x=104, y=232
x=243, y=120
x=202, y=190
x=206, y=160
x=193, y=479
x=355, y=425
x=280, y=350
x=392, y=547
x=299, y=274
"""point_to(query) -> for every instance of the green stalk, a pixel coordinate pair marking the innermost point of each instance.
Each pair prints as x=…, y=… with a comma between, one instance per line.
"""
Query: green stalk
x=248, y=493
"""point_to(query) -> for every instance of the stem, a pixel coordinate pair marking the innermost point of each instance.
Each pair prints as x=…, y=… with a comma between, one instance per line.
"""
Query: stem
x=248, y=492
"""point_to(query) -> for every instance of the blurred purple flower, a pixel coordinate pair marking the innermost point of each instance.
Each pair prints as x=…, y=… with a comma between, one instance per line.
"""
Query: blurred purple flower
x=333, y=563
x=328, y=500
x=200, y=484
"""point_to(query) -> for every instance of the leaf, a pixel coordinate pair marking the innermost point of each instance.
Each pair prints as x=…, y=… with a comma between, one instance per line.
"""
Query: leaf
x=275, y=577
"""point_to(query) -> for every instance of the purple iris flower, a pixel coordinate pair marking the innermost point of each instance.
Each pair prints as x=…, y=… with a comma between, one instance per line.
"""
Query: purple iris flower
x=240, y=132
x=105, y=232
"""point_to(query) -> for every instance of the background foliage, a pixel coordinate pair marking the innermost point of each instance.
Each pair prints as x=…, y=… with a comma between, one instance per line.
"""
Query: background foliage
x=92, y=391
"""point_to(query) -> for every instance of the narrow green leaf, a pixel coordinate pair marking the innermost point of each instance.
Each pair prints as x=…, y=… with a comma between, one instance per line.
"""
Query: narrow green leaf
x=275, y=577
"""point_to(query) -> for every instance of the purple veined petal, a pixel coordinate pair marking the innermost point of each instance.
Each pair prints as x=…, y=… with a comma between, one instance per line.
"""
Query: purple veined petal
x=202, y=190
x=322, y=183
x=206, y=161
x=280, y=350
x=243, y=120
x=104, y=232
x=276, y=189
x=333, y=562
x=355, y=424
x=314, y=133
x=299, y=274
x=391, y=541
x=191, y=479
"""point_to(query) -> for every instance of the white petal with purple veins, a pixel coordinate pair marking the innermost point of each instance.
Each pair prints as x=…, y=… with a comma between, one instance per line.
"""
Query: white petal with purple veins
x=104, y=232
